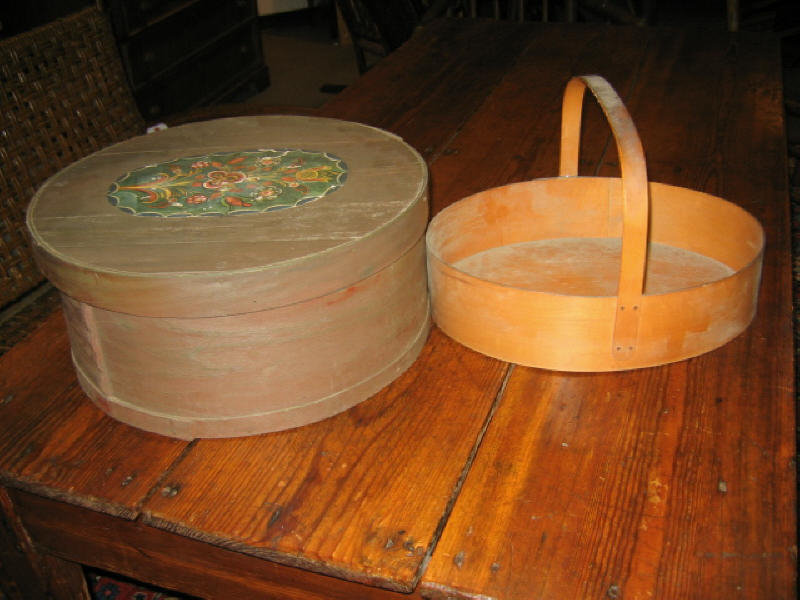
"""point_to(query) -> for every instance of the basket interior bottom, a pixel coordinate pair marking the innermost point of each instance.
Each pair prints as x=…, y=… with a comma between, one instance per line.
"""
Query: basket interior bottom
x=588, y=266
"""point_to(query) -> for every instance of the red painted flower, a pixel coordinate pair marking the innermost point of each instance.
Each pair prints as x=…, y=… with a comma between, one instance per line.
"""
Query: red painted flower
x=233, y=201
x=196, y=199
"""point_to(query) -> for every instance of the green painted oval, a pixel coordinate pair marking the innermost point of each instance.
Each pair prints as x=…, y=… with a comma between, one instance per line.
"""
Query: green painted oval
x=228, y=183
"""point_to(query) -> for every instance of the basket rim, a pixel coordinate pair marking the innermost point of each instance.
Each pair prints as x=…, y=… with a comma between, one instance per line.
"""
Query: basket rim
x=433, y=253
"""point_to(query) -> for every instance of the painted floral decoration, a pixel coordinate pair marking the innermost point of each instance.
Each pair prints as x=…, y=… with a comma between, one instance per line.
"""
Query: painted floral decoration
x=228, y=183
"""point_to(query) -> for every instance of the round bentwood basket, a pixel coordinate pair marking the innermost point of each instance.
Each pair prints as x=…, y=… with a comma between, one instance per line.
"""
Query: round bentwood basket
x=239, y=276
x=592, y=273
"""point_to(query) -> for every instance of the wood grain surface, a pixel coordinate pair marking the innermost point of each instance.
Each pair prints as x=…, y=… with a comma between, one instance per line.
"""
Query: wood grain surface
x=433, y=84
x=347, y=523
x=360, y=495
x=53, y=442
x=672, y=482
x=172, y=561
x=467, y=477
x=397, y=560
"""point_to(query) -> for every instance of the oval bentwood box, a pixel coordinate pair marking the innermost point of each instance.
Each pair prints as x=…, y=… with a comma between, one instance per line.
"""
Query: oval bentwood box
x=239, y=276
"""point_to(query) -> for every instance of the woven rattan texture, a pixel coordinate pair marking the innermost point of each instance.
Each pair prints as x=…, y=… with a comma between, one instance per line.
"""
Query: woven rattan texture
x=63, y=95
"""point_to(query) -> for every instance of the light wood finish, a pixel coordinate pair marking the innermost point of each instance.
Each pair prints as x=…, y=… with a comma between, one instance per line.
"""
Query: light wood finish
x=238, y=325
x=584, y=305
x=668, y=482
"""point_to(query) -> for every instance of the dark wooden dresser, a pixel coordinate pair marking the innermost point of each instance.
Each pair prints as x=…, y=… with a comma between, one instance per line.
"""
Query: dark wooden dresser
x=180, y=54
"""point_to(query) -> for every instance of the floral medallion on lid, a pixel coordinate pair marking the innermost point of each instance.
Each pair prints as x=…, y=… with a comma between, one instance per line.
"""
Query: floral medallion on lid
x=228, y=183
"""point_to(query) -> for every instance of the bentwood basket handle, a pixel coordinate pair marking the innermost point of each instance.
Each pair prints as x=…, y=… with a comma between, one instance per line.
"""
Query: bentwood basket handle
x=634, y=193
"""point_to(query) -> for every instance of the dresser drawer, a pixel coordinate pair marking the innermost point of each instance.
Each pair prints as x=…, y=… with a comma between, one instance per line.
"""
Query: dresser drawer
x=181, y=35
x=128, y=16
x=207, y=76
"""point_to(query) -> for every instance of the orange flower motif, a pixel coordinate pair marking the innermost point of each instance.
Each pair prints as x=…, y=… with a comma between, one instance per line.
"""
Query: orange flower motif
x=196, y=199
x=232, y=201
x=268, y=192
x=222, y=179
x=268, y=161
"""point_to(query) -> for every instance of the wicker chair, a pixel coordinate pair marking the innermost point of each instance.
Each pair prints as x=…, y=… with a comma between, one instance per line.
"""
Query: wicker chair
x=63, y=95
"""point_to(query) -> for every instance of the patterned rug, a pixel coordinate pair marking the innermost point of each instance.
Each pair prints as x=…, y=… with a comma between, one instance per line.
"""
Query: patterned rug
x=104, y=587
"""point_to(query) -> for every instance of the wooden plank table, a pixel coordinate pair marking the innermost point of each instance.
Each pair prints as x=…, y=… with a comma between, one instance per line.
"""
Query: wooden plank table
x=467, y=477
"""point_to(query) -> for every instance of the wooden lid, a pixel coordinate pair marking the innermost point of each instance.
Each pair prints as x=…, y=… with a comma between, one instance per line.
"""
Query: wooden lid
x=229, y=216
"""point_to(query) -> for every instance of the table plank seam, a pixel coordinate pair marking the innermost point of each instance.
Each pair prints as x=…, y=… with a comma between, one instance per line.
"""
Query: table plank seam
x=462, y=477
x=274, y=556
x=160, y=483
